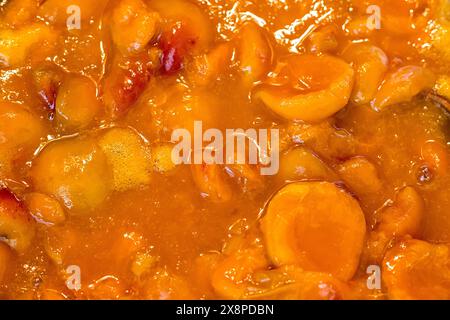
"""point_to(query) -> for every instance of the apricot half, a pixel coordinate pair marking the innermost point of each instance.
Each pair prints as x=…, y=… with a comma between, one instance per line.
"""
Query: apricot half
x=309, y=88
x=316, y=226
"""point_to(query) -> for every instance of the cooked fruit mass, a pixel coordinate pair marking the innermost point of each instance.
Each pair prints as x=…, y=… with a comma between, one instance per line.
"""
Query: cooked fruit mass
x=347, y=101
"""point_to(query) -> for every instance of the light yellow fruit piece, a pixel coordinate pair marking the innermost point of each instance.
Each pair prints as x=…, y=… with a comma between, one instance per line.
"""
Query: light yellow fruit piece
x=316, y=226
x=133, y=25
x=76, y=104
x=129, y=157
x=74, y=171
x=300, y=163
x=16, y=45
x=319, y=87
x=20, y=131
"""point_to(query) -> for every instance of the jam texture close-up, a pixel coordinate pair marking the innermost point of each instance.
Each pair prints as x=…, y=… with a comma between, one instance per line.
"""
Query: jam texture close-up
x=224, y=149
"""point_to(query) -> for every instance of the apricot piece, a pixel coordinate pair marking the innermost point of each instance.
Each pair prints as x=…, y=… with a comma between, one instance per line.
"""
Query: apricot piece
x=129, y=157
x=317, y=87
x=209, y=66
x=125, y=82
x=76, y=104
x=417, y=270
x=44, y=208
x=17, y=227
x=231, y=275
x=316, y=226
x=74, y=171
x=187, y=31
x=211, y=182
x=21, y=132
x=405, y=216
x=191, y=18
x=19, y=126
x=357, y=28
x=370, y=64
x=360, y=175
x=254, y=52
x=301, y=163
x=323, y=41
x=16, y=45
x=133, y=25
x=401, y=17
x=402, y=85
